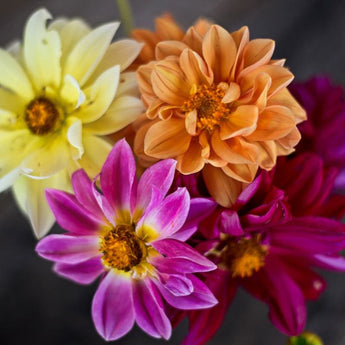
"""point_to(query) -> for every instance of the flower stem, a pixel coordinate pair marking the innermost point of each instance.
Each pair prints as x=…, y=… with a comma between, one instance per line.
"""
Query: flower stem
x=126, y=15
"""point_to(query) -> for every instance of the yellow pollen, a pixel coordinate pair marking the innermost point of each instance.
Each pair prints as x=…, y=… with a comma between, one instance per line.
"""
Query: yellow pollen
x=121, y=248
x=244, y=257
x=41, y=116
x=207, y=100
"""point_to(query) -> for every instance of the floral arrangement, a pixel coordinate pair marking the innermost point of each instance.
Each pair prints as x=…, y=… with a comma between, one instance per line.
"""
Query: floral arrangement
x=181, y=166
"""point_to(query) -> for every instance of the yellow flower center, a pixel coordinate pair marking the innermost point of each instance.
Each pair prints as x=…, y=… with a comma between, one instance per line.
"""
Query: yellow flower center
x=41, y=116
x=244, y=257
x=122, y=248
x=207, y=100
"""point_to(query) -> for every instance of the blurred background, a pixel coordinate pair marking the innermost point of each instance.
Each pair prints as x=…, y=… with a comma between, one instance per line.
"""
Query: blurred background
x=36, y=306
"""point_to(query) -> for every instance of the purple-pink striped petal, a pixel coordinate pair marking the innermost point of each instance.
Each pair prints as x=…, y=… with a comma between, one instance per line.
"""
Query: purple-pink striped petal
x=71, y=215
x=117, y=176
x=82, y=187
x=67, y=248
x=149, y=310
x=169, y=215
x=200, y=298
x=112, y=306
x=179, y=257
x=83, y=273
x=200, y=208
x=160, y=176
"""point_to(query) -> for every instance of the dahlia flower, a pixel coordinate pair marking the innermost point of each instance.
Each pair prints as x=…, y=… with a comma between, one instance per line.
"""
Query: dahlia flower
x=217, y=103
x=325, y=107
x=270, y=242
x=62, y=90
x=132, y=235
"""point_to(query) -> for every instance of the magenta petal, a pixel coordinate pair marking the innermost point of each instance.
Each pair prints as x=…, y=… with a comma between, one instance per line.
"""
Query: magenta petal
x=177, y=284
x=117, y=176
x=68, y=249
x=200, y=298
x=83, y=273
x=178, y=255
x=169, y=215
x=83, y=191
x=71, y=215
x=200, y=208
x=112, y=306
x=203, y=324
x=160, y=176
x=149, y=310
x=230, y=223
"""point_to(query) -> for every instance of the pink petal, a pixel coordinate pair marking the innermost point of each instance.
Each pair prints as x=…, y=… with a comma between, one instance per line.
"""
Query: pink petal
x=203, y=324
x=200, y=298
x=67, y=248
x=83, y=191
x=71, y=215
x=169, y=215
x=117, y=176
x=177, y=284
x=200, y=208
x=230, y=223
x=159, y=175
x=177, y=256
x=83, y=273
x=112, y=306
x=149, y=310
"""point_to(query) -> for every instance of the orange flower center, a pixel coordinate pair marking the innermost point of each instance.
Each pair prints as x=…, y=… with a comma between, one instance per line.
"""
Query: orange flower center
x=122, y=248
x=207, y=100
x=244, y=257
x=41, y=116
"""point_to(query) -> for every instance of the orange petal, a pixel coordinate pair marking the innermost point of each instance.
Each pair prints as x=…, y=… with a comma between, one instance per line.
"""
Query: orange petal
x=167, y=139
x=267, y=154
x=232, y=93
x=169, y=83
x=241, y=38
x=223, y=189
x=168, y=29
x=257, y=53
x=219, y=50
x=204, y=140
x=167, y=48
x=191, y=119
x=241, y=172
x=194, y=68
x=193, y=40
x=281, y=77
x=144, y=78
x=150, y=39
x=278, y=62
x=291, y=139
x=167, y=111
x=241, y=122
x=202, y=26
x=274, y=122
x=191, y=161
x=153, y=108
x=285, y=98
x=234, y=150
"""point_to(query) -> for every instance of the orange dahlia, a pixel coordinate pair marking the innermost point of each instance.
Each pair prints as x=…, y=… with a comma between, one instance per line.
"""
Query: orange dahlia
x=217, y=102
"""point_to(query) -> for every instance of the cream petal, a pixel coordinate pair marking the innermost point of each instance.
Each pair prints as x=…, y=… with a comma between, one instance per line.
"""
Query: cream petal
x=48, y=160
x=96, y=152
x=88, y=52
x=7, y=180
x=123, y=111
x=42, y=52
x=30, y=196
x=242, y=121
x=71, y=94
x=219, y=50
x=167, y=139
x=12, y=102
x=223, y=189
x=10, y=121
x=99, y=96
x=74, y=136
x=128, y=85
x=122, y=53
x=13, y=78
x=71, y=32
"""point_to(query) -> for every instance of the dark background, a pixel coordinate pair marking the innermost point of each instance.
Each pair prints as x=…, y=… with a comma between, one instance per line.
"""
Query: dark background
x=38, y=307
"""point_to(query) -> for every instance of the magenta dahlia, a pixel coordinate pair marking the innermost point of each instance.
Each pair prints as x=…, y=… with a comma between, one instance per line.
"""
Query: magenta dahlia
x=131, y=234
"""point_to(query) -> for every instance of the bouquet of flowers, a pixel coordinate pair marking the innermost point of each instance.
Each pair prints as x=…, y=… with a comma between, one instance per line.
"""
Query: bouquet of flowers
x=181, y=165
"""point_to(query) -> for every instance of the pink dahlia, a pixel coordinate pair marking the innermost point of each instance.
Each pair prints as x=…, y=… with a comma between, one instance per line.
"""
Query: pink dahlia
x=269, y=243
x=131, y=234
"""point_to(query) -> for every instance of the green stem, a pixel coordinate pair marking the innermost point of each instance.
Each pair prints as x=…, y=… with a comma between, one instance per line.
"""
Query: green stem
x=126, y=15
